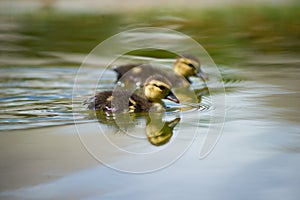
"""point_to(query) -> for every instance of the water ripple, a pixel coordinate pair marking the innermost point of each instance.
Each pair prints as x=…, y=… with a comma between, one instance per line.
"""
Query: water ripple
x=34, y=97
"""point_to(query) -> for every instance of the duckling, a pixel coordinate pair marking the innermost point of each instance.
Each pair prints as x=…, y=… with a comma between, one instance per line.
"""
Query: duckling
x=185, y=66
x=155, y=89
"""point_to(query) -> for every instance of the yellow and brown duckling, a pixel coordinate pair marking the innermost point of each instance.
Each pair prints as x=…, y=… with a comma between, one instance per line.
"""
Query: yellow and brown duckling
x=155, y=89
x=185, y=66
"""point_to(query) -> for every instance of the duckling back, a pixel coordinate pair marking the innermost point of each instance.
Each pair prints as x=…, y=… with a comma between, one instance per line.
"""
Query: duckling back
x=138, y=74
x=119, y=101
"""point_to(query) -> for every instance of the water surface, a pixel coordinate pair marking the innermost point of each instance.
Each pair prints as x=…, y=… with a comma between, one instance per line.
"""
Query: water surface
x=257, y=156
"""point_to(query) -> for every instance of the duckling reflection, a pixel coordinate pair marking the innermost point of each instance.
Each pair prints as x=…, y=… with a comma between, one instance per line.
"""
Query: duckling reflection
x=117, y=120
x=152, y=125
x=159, y=132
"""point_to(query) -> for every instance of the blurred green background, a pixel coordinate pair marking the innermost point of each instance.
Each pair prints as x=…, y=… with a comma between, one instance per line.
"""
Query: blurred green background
x=229, y=30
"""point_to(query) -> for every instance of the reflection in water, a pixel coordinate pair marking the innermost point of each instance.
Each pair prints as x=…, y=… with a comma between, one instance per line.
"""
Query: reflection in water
x=190, y=98
x=157, y=130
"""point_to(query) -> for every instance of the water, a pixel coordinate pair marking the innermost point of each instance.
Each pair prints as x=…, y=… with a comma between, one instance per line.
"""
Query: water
x=256, y=157
x=35, y=97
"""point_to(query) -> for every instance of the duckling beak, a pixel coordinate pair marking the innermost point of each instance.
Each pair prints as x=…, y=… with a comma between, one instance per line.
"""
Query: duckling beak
x=172, y=97
x=202, y=75
x=173, y=123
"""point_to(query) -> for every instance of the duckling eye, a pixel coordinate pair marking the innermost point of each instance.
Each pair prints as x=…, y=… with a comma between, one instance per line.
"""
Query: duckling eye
x=191, y=65
x=162, y=87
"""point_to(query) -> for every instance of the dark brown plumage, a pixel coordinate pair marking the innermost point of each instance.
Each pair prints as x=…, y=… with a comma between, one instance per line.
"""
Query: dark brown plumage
x=119, y=101
x=155, y=89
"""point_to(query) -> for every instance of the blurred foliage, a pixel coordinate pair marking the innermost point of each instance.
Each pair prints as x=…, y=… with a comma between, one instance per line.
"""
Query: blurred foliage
x=232, y=33
x=229, y=34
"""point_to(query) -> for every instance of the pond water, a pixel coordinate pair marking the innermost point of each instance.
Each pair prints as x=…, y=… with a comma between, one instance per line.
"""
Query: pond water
x=50, y=142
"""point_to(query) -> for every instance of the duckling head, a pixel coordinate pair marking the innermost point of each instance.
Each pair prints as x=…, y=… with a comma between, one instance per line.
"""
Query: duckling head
x=187, y=66
x=157, y=87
